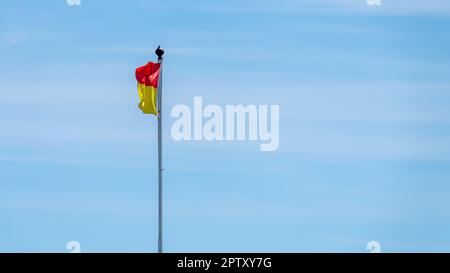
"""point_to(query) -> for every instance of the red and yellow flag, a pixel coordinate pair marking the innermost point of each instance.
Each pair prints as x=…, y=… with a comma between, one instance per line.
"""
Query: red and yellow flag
x=147, y=77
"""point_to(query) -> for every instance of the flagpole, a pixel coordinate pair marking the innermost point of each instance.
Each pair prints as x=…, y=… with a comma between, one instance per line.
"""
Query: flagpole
x=160, y=52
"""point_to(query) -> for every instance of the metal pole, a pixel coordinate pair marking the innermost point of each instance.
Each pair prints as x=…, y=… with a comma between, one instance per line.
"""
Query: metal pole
x=159, y=51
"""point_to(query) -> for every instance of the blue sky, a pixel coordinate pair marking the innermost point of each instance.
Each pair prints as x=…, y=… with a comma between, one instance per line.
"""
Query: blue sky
x=364, y=153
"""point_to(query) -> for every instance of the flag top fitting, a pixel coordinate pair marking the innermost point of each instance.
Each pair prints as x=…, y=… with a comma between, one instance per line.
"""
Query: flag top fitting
x=159, y=52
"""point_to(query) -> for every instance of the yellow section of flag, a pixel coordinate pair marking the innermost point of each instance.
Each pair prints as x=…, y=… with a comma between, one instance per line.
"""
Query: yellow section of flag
x=148, y=96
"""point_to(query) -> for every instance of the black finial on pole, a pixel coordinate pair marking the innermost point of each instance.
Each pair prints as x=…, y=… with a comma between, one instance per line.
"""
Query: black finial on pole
x=159, y=52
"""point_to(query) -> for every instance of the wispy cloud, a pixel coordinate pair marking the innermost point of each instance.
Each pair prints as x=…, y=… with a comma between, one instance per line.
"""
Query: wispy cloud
x=12, y=35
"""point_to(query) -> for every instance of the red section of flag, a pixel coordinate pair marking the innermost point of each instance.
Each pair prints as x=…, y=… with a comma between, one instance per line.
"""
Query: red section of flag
x=148, y=74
